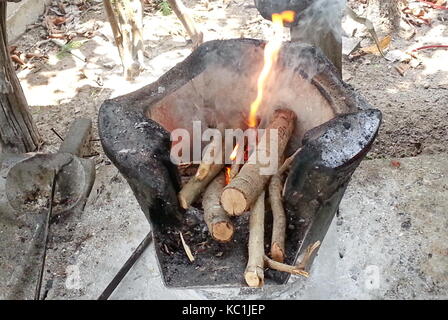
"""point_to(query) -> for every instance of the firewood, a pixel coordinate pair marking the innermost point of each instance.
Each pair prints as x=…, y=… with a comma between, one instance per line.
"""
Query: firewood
x=217, y=220
x=287, y=163
x=279, y=219
x=272, y=264
x=234, y=169
x=304, y=263
x=191, y=191
x=254, y=273
x=244, y=189
x=210, y=156
x=194, y=187
x=278, y=212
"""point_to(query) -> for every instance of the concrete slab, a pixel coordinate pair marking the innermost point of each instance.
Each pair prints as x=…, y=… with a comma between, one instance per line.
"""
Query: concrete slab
x=21, y=14
x=388, y=242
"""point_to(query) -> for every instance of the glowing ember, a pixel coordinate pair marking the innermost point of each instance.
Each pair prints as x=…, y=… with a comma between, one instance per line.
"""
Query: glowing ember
x=234, y=152
x=270, y=57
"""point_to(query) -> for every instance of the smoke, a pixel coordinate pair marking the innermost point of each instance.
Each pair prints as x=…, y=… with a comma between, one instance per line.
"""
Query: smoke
x=321, y=17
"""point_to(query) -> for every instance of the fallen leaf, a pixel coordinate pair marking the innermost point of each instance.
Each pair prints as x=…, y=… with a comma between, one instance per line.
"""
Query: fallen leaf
x=59, y=20
x=17, y=59
x=373, y=49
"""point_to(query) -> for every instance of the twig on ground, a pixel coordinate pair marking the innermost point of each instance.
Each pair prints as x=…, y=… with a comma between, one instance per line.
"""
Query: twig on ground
x=275, y=265
x=186, y=248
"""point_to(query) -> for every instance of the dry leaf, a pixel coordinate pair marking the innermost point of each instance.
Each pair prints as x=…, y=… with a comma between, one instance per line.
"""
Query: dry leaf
x=59, y=20
x=373, y=49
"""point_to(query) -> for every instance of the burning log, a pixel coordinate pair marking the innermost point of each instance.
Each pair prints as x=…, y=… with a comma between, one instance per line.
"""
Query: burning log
x=254, y=273
x=249, y=183
x=234, y=169
x=217, y=220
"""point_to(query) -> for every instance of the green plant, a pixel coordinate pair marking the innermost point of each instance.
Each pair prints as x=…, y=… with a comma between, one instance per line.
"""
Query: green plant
x=67, y=48
x=165, y=8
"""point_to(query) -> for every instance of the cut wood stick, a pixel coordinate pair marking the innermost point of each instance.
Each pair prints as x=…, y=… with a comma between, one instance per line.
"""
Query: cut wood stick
x=234, y=169
x=307, y=256
x=244, y=189
x=191, y=191
x=278, y=211
x=287, y=163
x=212, y=155
x=279, y=219
x=217, y=220
x=254, y=273
x=194, y=187
x=284, y=267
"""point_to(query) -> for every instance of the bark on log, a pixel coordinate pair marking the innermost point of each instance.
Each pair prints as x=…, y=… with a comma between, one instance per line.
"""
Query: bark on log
x=126, y=20
x=211, y=155
x=279, y=219
x=18, y=132
x=191, y=191
x=275, y=265
x=245, y=188
x=278, y=211
x=384, y=13
x=217, y=220
x=254, y=273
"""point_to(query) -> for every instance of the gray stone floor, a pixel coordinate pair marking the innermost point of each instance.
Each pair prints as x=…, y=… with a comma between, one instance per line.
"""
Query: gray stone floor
x=388, y=242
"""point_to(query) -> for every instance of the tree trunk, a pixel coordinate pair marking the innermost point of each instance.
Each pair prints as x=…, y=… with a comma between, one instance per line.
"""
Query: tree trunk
x=126, y=20
x=17, y=130
x=384, y=13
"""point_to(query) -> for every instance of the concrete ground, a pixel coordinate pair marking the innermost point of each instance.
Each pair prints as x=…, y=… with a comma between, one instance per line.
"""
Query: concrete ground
x=388, y=242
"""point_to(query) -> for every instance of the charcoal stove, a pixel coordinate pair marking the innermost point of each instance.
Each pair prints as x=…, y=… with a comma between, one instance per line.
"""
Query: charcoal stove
x=335, y=128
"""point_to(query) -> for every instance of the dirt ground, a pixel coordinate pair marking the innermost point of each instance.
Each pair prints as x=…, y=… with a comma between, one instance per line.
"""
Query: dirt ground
x=414, y=105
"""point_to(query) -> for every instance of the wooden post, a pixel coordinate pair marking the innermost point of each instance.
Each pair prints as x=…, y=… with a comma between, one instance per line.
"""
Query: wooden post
x=126, y=20
x=18, y=132
x=386, y=12
x=181, y=13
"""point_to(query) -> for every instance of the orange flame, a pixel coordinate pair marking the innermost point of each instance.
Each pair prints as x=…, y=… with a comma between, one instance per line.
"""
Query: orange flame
x=227, y=175
x=234, y=152
x=270, y=57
